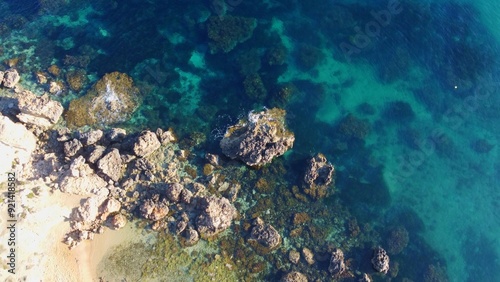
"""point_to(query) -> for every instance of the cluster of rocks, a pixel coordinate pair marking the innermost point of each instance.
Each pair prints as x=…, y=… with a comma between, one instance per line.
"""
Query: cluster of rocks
x=318, y=176
x=264, y=238
x=337, y=268
x=89, y=218
x=194, y=213
x=259, y=138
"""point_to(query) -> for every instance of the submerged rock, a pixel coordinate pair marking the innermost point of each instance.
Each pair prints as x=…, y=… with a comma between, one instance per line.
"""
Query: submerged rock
x=337, y=264
x=111, y=100
x=294, y=276
x=40, y=111
x=380, y=260
x=16, y=143
x=319, y=174
x=259, y=138
x=264, y=237
x=225, y=32
x=216, y=216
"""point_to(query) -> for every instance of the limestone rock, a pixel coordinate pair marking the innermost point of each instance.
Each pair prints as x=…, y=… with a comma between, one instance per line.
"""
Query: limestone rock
x=111, y=165
x=38, y=110
x=80, y=179
x=174, y=191
x=294, y=256
x=146, y=144
x=116, y=134
x=259, y=138
x=72, y=147
x=337, y=265
x=264, y=237
x=118, y=221
x=190, y=237
x=154, y=209
x=91, y=137
x=10, y=78
x=216, y=216
x=294, y=276
x=318, y=176
x=95, y=153
x=380, y=260
x=108, y=207
x=308, y=256
x=16, y=143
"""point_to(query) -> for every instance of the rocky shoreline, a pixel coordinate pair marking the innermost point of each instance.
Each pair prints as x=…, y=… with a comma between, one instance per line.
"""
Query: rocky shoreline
x=121, y=176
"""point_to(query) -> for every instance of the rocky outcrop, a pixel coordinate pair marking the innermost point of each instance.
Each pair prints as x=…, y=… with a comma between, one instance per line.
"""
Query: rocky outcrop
x=111, y=165
x=87, y=219
x=80, y=179
x=380, y=260
x=146, y=144
x=10, y=78
x=318, y=176
x=40, y=111
x=16, y=144
x=264, y=237
x=154, y=208
x=111, y=100
x=294, y=276
x=259, y=138
x=337, y=265
x=216, y=216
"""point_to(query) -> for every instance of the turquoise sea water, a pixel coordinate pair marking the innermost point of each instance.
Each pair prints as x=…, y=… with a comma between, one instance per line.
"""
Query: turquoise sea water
x=416, y=84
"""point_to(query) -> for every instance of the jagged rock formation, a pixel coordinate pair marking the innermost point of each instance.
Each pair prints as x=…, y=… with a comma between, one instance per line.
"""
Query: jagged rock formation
x=380, y=260
x=259, y=138
x=318, y=176
x=216, y=216
x=337, y=265
x=264, y=237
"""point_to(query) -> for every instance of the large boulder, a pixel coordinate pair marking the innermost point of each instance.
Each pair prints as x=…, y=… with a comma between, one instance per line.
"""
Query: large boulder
x=80, y=179
x=38, y=110
x=111, y=165
x=154, y=208
x=264, y=237
x=318, y=176
x=337, y=265
x=10, y=78
x=16, y=143
x=216, y=216
x=259, y=138
x=146, y=144
x=380, y=260
x=111, y=100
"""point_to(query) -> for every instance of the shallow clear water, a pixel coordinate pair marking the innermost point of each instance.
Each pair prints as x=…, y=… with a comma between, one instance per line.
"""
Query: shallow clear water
x=422, y=75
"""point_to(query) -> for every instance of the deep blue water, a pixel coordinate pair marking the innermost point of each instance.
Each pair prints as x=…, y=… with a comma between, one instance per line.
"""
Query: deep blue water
x=417, y=84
